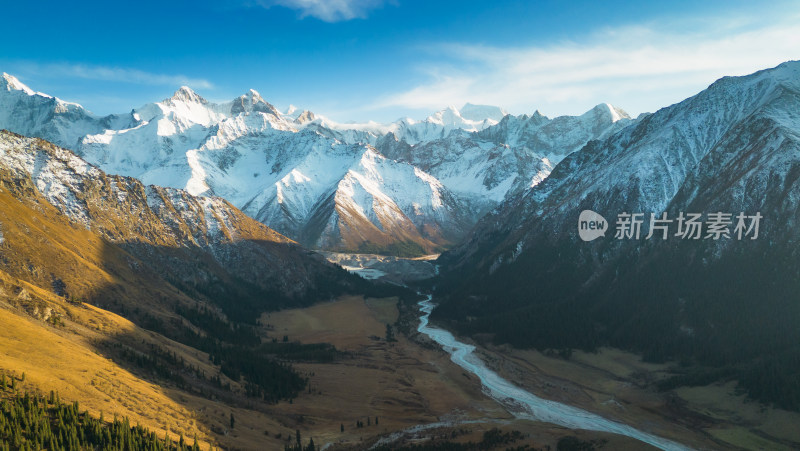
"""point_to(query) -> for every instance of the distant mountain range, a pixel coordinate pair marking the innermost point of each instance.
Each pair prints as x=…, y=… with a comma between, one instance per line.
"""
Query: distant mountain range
x=407, y=188
x=730, y=305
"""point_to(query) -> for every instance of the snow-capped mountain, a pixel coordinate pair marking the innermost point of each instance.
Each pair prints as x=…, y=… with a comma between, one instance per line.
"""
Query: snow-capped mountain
x=201, y=246
x=470, y=118
x=727, y=302
x=645, y=167
x=36, y=114
x=504, y=159
x=555, y=138
x=404, y=187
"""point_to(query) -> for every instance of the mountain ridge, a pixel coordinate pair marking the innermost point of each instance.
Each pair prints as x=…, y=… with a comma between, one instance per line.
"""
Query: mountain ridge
x=268, y=163
x=195, y=243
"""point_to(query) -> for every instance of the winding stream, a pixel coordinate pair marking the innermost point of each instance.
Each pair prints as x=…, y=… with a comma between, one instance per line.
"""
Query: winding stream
x=523, y=404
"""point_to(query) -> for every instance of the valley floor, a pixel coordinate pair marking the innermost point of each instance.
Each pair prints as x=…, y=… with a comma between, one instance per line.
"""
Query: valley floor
x=403, y=391
x=405, y=384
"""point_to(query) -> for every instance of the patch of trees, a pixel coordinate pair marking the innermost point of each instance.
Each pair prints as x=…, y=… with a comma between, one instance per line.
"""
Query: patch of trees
x=263, y=368
x=380, y=289
x=298, y=444
x=164, y=364
x=217, y=329
x=360, y=424
x=264, y=377
x=266, y=368
x=243, y=301
x=408, y=316
x=236, y=345
x=33, y=422
x=572, y=443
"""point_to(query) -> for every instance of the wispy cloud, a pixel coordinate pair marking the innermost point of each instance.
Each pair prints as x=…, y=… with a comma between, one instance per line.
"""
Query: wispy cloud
x=116, y=74
x=328, y=10
x=640, y=68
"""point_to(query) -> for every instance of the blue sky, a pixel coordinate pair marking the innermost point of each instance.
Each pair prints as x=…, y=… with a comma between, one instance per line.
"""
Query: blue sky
x=383, y=59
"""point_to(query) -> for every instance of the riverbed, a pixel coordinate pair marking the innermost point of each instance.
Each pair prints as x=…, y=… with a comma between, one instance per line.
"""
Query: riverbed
x=521, y=403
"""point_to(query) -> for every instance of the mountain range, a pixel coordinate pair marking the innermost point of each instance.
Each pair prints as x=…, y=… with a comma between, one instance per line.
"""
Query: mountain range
x=408, y=187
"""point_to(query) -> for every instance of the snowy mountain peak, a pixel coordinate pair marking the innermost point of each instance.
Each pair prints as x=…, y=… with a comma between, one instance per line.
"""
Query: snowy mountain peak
x=482, y=112
x=11, y=83
x=608, y=110
x=447, y=116
x=186, y=94
x=252, y=101
x=305, y=116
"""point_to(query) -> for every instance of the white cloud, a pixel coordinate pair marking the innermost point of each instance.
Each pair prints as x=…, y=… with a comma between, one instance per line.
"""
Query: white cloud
x=638, y=68
x=117, y=74
x=328, y=10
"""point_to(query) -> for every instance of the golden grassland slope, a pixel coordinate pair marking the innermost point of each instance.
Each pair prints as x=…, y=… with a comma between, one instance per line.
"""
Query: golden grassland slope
x=69, y=358
x=64, y=359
